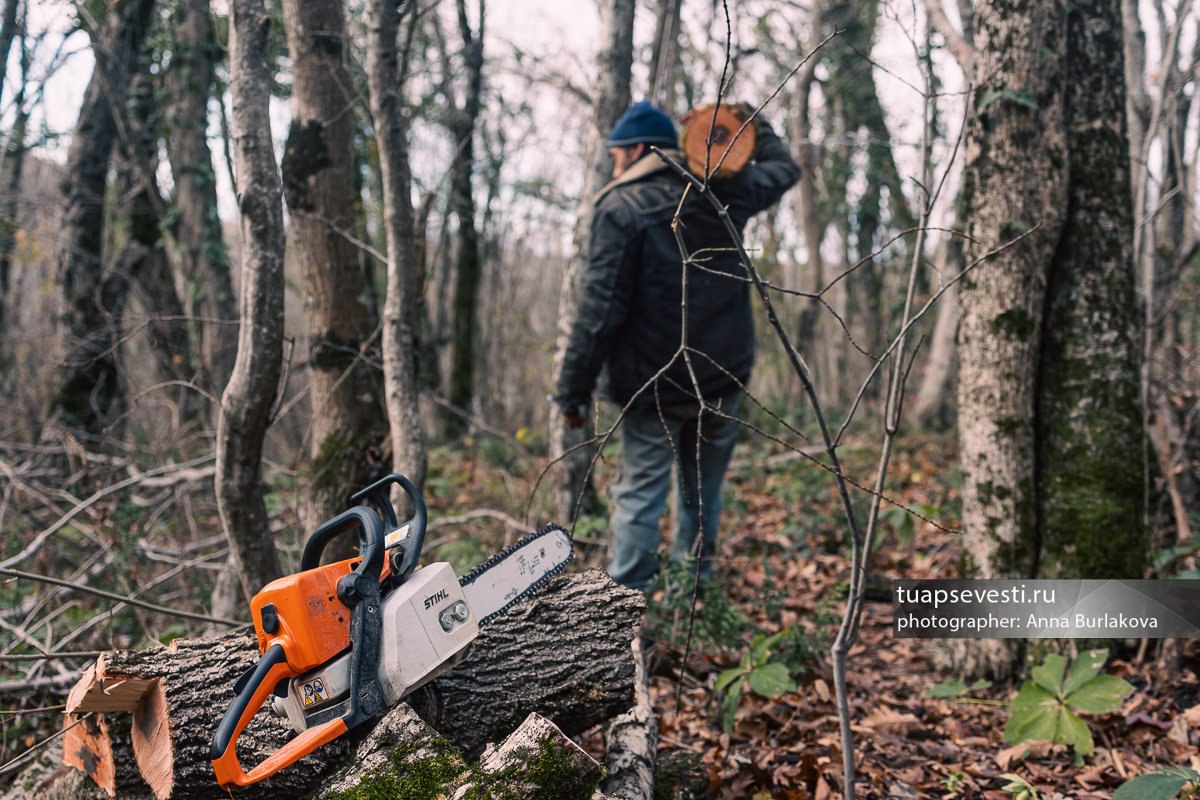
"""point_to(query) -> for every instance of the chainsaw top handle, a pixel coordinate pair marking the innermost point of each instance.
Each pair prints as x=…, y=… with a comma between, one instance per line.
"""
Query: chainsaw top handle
x=370, y=540
x=378, y=495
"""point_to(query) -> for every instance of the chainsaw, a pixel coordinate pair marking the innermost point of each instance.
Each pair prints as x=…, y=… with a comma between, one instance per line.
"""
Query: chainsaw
x=340, y=643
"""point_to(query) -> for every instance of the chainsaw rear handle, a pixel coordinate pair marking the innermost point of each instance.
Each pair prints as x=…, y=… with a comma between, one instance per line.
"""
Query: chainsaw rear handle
x=256, y=688
x=370, y=540
x=379, y=496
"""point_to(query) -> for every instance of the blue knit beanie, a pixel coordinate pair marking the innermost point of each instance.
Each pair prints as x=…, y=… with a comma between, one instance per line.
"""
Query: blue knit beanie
x=643, y=123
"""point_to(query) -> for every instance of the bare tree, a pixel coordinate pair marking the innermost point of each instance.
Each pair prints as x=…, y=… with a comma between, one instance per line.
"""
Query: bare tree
x=462, y=119
x=14, y=162
x=613, y=64
x=248, y=399
x=87, y=386
x=348, y=419
x=202, y=255
x=385, y=80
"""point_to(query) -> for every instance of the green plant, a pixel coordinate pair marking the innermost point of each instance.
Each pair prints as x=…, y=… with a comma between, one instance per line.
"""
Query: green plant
x=954, y=781
x=1162, y=784
x=1046, y=705
x=720, y=627
x=757, y=672
x=1019, y=788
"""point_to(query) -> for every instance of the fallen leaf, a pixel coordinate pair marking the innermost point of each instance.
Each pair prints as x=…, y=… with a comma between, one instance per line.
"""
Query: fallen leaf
x=886, y=720
x=1038, y=748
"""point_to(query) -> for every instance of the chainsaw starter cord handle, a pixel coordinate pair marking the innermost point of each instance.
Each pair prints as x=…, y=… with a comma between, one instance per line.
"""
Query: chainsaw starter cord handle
x=370, y=540
x=379, y=495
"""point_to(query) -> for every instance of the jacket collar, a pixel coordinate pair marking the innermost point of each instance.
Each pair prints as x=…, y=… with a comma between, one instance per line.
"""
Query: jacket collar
x=648, y=165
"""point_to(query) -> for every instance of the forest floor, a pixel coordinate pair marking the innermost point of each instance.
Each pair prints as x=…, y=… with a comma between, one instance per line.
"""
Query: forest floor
x=782, y=567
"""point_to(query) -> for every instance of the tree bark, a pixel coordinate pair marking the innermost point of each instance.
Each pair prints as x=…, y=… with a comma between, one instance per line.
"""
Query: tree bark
x=14, y=160
x=613, y=65
x=1090, y=424
x=1050, y=428
x=1016, y=178
x=462, y=124
x=664, y=54
x=565, y=654
x=348, y=417
x=401, y=317
x=203, y=257
x=247, y=401
x=87, y=386
x=8, y=32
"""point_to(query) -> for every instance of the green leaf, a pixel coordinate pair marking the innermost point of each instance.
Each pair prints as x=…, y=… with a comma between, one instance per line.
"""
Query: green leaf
x=730, y=706
x=952, y=687
x=1085, y=667
x=1049, y=674
x=1034, y=715
x=1031, y=696
x=762, y=646
x=771, y=680
x=1103, y=694
x=727, y=677
x=980, y=684
x=1155, y=786
x=1073, y=731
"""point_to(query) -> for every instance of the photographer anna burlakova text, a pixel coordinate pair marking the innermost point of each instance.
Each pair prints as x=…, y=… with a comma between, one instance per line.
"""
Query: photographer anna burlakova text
x=1031, y=609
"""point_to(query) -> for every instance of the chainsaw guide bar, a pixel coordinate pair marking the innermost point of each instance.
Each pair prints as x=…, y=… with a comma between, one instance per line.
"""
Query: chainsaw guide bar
x=491, y=586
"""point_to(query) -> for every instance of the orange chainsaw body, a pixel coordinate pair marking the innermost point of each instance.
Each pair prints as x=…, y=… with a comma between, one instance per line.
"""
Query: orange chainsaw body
x=304, y=620
x=313, y=624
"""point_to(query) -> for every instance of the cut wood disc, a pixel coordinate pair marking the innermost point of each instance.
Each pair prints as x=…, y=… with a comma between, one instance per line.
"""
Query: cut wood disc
x=736, y=152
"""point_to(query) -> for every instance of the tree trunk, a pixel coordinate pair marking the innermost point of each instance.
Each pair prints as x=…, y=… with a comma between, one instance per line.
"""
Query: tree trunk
x=1016, y=178
x=565, y=654
x=8, y=32
x=463, y=122
x=1090, y=425
x=348, y=418
x=14, y=160
x=87, y=386
x=932, y=404
x=613, y=65
x=401, y=320
x=664, y=54
x=247, y=401
x=1050, y=428
x=203, y=257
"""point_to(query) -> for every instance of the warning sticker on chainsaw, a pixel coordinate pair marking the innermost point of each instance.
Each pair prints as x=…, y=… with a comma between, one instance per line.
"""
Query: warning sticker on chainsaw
x=314, y=692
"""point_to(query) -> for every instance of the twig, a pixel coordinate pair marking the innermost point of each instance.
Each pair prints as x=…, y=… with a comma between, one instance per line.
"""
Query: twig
x=174, y=612
x=41, y=538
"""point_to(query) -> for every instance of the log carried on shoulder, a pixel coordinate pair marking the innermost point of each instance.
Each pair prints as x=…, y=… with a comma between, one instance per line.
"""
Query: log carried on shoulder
x=566, y=655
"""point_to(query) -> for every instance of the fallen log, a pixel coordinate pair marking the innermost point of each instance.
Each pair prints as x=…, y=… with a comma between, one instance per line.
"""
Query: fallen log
x=631, y=741
x=565, y=654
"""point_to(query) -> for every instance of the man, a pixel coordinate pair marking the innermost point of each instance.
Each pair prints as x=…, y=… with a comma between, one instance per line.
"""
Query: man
x=632, y=323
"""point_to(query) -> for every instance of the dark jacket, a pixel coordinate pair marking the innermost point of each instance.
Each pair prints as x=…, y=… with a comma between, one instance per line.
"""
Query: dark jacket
x=630, y=312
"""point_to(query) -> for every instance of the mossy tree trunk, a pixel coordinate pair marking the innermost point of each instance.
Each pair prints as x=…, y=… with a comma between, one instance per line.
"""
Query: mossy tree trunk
x=87, y=390
x=1090, y=427
x=348, y=418
x=202, y=255
x=1049, y=422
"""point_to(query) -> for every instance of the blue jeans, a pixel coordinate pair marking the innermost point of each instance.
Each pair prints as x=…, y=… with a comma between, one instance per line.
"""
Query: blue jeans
x=650, y=444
